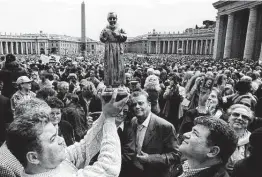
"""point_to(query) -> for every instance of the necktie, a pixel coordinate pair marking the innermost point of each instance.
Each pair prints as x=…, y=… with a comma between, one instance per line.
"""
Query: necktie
x=120, y=133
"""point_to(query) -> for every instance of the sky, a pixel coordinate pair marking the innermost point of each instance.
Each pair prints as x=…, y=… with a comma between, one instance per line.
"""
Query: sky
x=136, y=17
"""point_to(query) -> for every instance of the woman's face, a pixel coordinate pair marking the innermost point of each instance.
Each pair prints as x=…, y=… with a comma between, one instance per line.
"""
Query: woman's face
x=239, y=119
x=212, y=101
x=55, y=115
x=212, y=98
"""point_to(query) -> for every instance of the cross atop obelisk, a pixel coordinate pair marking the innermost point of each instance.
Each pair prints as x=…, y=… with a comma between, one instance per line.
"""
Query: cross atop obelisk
x=83, y=30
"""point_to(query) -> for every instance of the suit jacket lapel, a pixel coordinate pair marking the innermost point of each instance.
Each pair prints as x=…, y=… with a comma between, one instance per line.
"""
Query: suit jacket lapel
x=134, y=124
x=150, y=130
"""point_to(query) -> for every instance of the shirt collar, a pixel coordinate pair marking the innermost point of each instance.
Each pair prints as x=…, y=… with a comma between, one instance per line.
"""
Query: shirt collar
x=191, y=172
x=121, y=126
x=146, y=122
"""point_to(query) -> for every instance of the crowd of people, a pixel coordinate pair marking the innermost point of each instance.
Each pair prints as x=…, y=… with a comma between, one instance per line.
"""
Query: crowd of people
x=184, y=116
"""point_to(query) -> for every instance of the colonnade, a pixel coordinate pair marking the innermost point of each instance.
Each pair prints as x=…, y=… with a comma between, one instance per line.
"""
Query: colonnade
x=20, y=47
x=185, y=47
x=229, y=29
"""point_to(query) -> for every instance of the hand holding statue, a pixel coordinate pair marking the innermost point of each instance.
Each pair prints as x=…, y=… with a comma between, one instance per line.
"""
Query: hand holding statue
x=113, y=108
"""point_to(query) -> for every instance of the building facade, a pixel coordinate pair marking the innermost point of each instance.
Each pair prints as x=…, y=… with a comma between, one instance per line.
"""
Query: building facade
x=190, y=42
x=42, y=43
x=238, y=31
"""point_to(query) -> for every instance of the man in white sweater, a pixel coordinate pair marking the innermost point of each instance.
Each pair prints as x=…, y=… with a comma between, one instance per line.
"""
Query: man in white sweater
x=34, y=141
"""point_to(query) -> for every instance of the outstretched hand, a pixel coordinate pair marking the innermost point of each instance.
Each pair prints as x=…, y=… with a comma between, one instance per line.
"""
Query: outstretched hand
x=113, y=108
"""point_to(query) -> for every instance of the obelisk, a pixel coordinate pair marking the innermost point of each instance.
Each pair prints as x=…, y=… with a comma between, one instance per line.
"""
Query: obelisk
x=83, y=30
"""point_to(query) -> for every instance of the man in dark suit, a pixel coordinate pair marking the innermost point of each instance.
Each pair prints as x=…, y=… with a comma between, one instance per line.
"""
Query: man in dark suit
x=154, y=139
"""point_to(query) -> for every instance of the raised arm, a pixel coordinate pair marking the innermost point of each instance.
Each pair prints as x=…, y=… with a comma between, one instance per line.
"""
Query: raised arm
x=80, y=153
x=109, y=159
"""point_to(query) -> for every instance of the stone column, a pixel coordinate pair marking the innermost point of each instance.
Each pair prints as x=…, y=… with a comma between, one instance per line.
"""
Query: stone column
x=187, y=47
x=31, y=44
x=201, y=47
x=16, y=47
x=149, y=47
x=11, y=47
x=196, y=50
x=173, y=47
x=183, y=47
x=46, y=48
x=26, y=48
x=6, y=48
x=229, y=36
x=217, y=53
x=38, y=48
x=177, y=46
x=250, y=37
x=22, y=48
x=260, y=57
x=157, y=47
x=206, y=47
x=164, y=46
x=168, y=46
x=211, y=47
x=192, y=46
x=1, y=48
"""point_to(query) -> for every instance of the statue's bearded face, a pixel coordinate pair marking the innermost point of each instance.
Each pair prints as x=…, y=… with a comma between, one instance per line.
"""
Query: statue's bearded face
x=112, y=19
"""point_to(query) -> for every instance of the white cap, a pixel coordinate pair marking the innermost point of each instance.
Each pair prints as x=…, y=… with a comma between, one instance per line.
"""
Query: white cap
x=23, y=79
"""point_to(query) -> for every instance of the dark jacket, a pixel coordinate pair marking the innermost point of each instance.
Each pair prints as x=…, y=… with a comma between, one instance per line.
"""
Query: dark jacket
x=94, y=106
x=161, y=145
x=9, y=77
x=127, y=149
x=171, y=109
x=248, y=167
x=66, y=131
x=75, y=115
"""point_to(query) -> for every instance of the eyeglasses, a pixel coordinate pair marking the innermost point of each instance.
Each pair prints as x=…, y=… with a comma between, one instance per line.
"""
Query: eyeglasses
x=244, y=117
x=112, y=18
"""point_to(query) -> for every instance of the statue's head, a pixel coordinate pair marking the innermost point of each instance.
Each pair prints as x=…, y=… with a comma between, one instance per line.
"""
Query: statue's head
x=112, y=18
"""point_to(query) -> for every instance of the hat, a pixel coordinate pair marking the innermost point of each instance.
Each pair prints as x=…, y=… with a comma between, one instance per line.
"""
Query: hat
x=23, y=79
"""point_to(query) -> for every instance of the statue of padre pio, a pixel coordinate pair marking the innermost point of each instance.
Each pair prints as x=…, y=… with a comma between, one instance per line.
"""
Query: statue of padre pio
x=113, y=36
